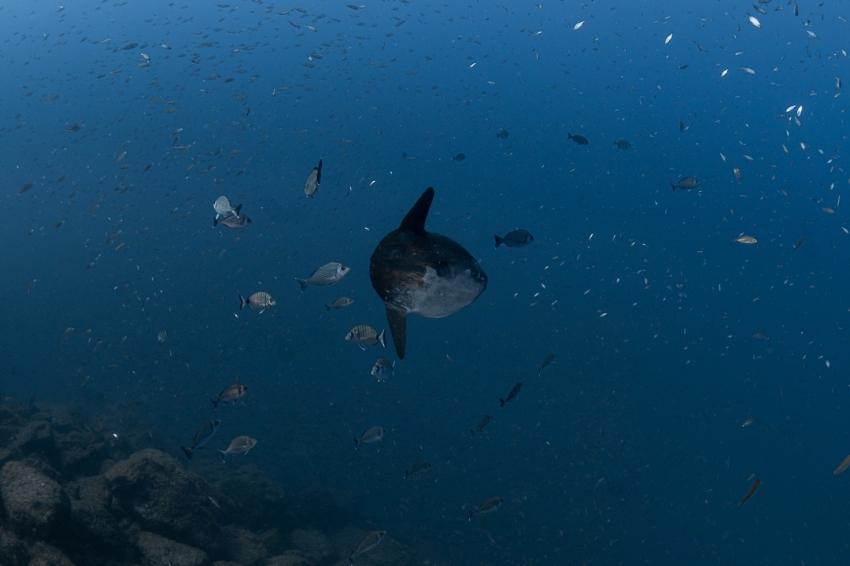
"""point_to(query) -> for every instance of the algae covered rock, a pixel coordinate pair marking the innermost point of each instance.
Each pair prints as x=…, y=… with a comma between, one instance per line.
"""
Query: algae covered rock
x=153, y=488
x=160, y=550
x=34, y=503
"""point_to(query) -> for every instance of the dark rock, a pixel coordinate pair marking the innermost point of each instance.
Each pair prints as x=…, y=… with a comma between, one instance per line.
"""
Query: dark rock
x=259, y=502
x=12, y=549
x=36, y=437
x=314, y=544
x=155, y=490
x=226, y=563
x=290, y=558
x=243, y=546
x=6, y=455
x=274, y=541
x=43, y=554
x=78, y=460
x=93, y=530
x=157, y=550
x=34, y=503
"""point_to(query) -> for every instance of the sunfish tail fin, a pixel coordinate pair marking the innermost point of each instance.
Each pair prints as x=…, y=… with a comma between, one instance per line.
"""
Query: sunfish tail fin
x=397, y=319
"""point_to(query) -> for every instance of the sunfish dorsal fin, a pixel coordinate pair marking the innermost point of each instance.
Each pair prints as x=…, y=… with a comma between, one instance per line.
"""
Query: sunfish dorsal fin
x=415, y=218
x=398, y=327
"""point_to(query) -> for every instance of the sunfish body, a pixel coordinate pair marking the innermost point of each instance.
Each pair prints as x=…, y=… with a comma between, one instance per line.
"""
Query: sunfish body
x=419, y=272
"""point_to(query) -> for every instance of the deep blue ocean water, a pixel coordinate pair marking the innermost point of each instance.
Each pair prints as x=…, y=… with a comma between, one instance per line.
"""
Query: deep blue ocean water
x=629, y=448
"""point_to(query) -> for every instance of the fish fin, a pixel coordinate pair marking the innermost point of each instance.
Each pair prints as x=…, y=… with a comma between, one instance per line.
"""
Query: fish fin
x=569, y=136
x=328, y=307
x=501, y=402
x=236, y=209
x=215, y=221
x=215, y=403
x=303, y=283
x=351, y=559
x=398, y=328
x=382, y=337
x=356, y=443
x=472, y=432
x=414, y=221
x=471, y=514
x=187, y=451
x=319, y=173
x=223, y=454
x=499, y=241
x=242, y=302
x=674, y=186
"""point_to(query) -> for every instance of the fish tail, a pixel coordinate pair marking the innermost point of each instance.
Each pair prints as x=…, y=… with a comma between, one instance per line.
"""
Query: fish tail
x=237, y=209
x=501, y=402
x=674, y=186
x=303, y=283
x=328, y=307
x=499, y=240
x=471, y=514
x=215, y=403
x=187, y=451
x=242, y=302
x=569, y=136
x=356, y=443
x=472, y=432
x=223, y=454
x=351, y=559
x=382, y=338
x=215, y=221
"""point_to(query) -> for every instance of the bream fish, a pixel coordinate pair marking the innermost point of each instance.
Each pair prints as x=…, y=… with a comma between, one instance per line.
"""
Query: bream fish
x=259, y=301
x=230, y=394
x=685, y=183
x=580, y=140
x=313, y=181
x=369, y=542
x=382, y=368
x=233, y=221
x=328, y=274
x=487, y=507
x=205, y=432
x=512, y=395
x=239, y=445
x=374, y=434
x=363, y=334
x=515, y=239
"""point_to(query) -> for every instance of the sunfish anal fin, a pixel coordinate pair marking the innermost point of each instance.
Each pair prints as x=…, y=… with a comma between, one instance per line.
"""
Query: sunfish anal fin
x=415, y=218
x=398, y=328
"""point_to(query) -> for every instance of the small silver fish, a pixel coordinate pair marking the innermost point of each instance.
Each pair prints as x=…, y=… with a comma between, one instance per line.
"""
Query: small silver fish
x=205, y=432
x=374, y=434
x=328, y=274
x=340, y=303
x=313, y=181
x=230, y=394
x=365, y=334
x=545, y=363
x=239, y=445
x=417, y=469
x=369, y=542
x=744, y=239
x=487, y=507
x=484, y=420
x=259, y=301
x=233, y=221
x=223, y=208
x=383, y=367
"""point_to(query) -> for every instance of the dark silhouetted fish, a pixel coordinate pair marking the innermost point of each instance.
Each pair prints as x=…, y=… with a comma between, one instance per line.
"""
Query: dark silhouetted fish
x=459, y=157
x=233, y=221
x=487, y=507
x=205, y=432
x=623, y=143
x=419, y=272
x=503, y=133
x=512, y=395
x=313, y=181
x=685, y=183
x=371, y=540
x=581, y=140
x=230, y=394
x=516, y=239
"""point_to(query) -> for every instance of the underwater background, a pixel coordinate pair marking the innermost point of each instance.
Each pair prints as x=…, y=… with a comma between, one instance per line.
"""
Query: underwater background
x=686, y=364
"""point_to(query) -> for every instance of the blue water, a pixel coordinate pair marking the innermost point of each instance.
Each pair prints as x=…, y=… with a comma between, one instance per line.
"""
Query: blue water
x=629, y=448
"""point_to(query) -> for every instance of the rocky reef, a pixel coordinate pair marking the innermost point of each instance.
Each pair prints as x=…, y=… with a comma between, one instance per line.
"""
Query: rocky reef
x=71, y=492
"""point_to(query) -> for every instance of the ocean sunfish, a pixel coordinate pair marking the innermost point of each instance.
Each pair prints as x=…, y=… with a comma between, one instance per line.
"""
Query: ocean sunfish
x=414, y=271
